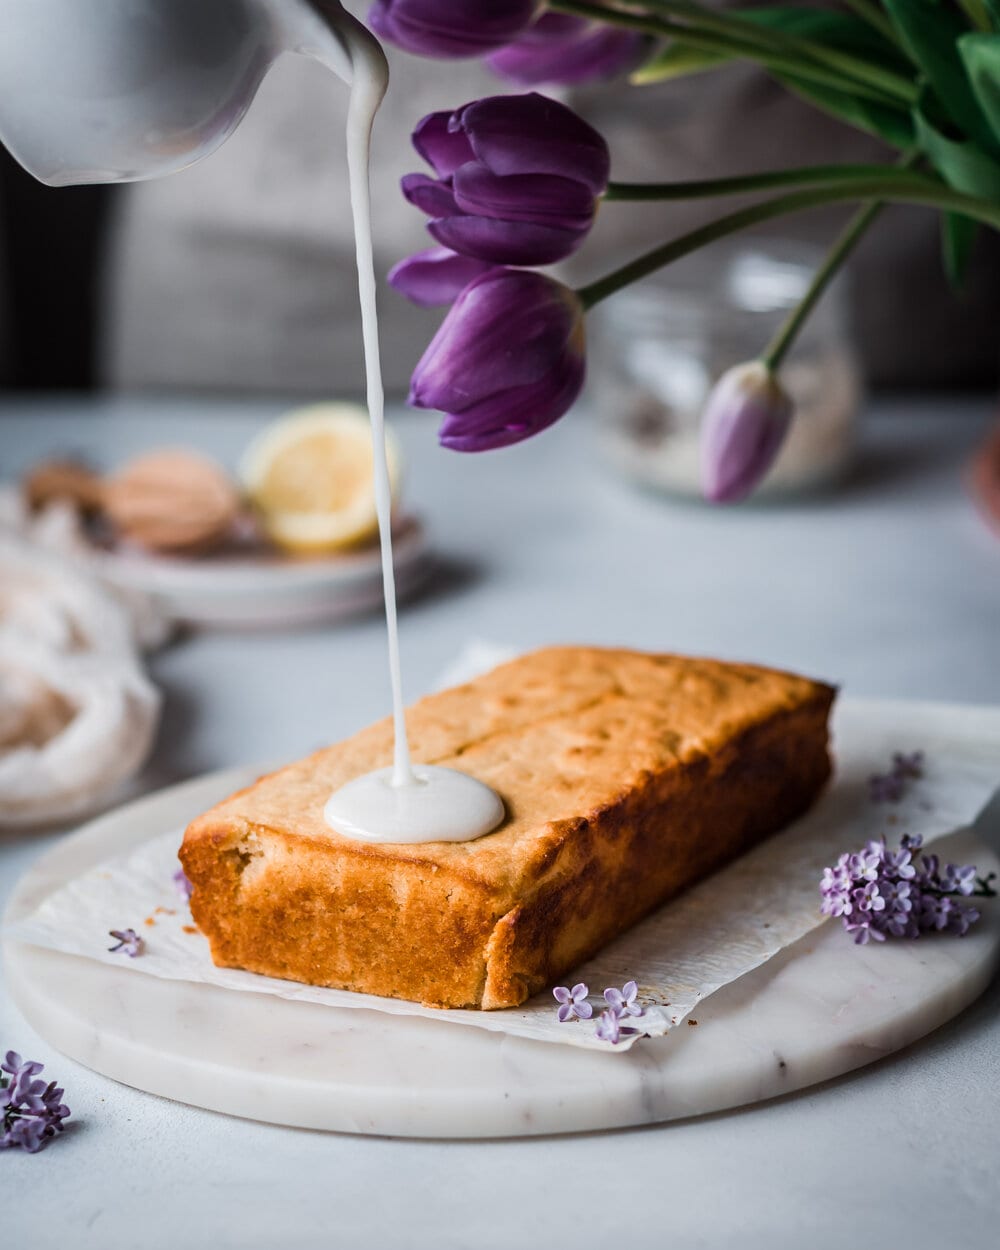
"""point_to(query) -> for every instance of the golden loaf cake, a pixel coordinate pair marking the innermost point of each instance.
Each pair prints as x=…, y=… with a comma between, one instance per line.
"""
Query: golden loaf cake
x=626, y=777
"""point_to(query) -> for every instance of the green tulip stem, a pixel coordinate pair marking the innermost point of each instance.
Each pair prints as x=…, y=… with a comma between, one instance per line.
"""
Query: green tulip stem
x=776, y=350
x=866, y=80
x=891, y=189
x=842, y=247
x=707, y=188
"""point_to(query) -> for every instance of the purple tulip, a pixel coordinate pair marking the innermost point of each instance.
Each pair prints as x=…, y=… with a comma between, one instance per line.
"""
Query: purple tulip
x=450, y=28
x=517, y=179
x=506, y=363
x=435, y=277
x=563, y=49
x=743, y=426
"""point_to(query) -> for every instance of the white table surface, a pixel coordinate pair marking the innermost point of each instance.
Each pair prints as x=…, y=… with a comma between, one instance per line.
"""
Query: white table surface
x=890, y=586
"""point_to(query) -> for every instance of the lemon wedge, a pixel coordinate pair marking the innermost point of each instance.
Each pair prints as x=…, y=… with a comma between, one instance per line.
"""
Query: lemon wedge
x=309, y=477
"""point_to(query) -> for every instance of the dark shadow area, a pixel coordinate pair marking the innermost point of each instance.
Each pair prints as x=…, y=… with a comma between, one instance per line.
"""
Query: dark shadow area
x=51, y=241
x=445, y=576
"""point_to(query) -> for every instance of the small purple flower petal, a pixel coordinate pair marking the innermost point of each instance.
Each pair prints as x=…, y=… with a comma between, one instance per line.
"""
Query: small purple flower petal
x=962, y=918
x=184, y=887
x=744, y=424
x=128, y=941
x=30, y=1133
x=959, y=880
x=608, y=1027
x=890, y=787
x=18, y=1067
x=887, y=788
x=623, y=1001
x=573, y=1002
x=911, y=765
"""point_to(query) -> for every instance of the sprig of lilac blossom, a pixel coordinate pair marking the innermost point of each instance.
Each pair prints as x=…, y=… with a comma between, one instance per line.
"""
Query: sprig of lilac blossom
x=609, y=1027
x=128, y=942
x=33, y=1111
x=891, y=786
x=879, y=893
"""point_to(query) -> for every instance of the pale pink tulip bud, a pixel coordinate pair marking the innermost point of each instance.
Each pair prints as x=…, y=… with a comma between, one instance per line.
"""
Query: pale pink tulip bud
x=743, y=425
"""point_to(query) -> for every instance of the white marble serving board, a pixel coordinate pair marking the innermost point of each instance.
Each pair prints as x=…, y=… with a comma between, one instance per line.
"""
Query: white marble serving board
x=818, y=1009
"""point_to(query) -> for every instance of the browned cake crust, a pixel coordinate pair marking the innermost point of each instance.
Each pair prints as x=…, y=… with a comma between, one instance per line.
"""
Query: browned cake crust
x=626, y=778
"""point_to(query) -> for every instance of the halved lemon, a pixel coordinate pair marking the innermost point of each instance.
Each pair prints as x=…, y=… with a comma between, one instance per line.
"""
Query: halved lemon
x=309, y=477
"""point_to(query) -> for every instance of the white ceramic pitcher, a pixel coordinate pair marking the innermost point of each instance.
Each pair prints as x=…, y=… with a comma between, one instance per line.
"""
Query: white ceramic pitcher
x=118, y=90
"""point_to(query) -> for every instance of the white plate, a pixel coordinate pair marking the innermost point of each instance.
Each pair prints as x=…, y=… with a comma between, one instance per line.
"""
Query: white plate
x=262, y=590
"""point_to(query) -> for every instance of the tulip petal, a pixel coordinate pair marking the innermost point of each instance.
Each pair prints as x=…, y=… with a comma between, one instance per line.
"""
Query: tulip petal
x=450, y=28
x=443, y=149
x=435, y=277
x=544, y=198
x=504, y=330
x=506, y=242
x=744, y=425
x=568, y=50
x=530, y=134
x=506, y=362
x=434, y=198
x=514, y=415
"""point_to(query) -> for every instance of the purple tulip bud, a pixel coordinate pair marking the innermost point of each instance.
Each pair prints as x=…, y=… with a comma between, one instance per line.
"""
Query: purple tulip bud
x=531, y=134
x=435, y=277
x=506, y=363
x=517, y=179
x=568, y=50
x=450, y=28
x=743, y=426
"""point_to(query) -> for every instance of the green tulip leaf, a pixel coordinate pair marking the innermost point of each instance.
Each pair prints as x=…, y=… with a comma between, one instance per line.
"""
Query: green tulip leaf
x=981, y=57
x=960, y=162
x=958, y=238
x=930, y=30
x=992, y=8
x=676, y=61
x=893, y=125
x=835, y=30
x=883, y=121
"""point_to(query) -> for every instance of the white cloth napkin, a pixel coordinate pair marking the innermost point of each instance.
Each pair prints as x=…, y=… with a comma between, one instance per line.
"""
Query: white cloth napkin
x=77, y=712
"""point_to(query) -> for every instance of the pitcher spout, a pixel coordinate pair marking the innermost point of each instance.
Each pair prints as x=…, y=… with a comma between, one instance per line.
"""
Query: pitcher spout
x=134, y=89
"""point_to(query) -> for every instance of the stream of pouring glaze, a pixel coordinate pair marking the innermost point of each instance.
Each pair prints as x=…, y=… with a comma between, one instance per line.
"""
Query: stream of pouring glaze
x=407, y=802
